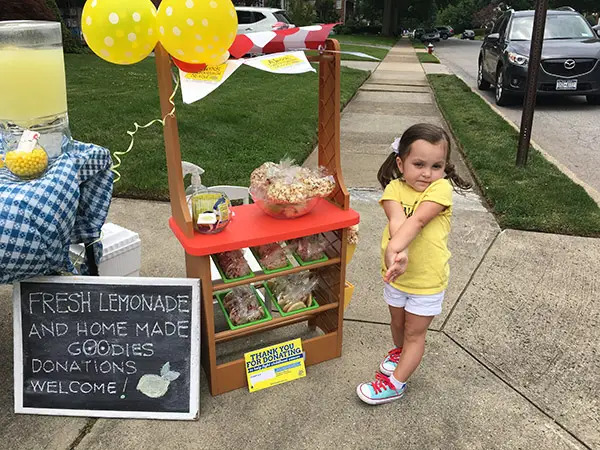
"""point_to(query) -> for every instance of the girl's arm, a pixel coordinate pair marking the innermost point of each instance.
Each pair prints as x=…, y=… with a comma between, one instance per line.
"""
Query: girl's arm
x=395, y=253
x=396, y=217
x=395, y=214
x=412, y=226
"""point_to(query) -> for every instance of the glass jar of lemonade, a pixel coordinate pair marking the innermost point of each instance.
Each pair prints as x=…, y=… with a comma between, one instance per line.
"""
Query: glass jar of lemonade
x=32, y=84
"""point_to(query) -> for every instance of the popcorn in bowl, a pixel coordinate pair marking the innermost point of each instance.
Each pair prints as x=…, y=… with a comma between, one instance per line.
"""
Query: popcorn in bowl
x=286, y=191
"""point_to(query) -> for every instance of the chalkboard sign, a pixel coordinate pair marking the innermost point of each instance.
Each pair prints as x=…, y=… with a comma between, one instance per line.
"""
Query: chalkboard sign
x=107, y=347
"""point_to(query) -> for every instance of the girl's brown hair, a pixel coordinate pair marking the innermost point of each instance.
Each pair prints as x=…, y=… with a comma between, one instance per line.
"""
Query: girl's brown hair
x=431, y=133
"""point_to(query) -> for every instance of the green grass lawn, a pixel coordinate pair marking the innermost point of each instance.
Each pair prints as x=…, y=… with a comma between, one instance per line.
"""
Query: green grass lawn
x=365, y=39
x=427, y=58
x=539, y=197
x=417, y=44
x=372, y=51
x=253, y=117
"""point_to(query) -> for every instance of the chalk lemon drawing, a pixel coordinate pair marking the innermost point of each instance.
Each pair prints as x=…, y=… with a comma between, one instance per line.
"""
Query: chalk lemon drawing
x=155, y=386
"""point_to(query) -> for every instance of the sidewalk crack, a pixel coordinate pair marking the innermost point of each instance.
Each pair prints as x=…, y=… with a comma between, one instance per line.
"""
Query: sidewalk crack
x=514, y=389
x=468, y=283
x=83, y=433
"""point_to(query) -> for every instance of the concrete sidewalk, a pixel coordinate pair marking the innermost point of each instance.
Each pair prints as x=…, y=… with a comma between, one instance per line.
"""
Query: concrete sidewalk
x=512, y=361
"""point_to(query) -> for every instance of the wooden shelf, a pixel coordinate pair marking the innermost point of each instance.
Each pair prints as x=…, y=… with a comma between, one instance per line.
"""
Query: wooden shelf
x=223, y=286
x=277, y=322
x=232, y=375
x=251, y=227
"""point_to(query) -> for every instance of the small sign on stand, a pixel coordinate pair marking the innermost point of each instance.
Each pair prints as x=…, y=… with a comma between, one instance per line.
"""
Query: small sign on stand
x=107, y=347
x=274, y=365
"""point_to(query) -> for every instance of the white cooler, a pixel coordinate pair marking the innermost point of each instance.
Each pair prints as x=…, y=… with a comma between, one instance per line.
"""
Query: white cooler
x=121, y=255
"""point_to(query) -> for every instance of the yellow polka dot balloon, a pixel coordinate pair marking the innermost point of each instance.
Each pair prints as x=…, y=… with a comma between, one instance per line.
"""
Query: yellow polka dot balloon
x=121, y=32
x=197, y=31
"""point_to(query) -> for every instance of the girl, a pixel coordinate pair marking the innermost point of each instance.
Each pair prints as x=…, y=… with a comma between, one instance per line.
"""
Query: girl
x=417, y=200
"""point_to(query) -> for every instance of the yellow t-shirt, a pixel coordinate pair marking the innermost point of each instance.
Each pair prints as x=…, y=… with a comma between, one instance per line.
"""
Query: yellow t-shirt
x=428, y=271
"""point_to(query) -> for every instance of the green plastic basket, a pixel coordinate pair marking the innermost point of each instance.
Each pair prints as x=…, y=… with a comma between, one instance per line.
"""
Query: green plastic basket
x=308, y=263
x=268, y=316
x=314, y=304
x=231, y=280
x=270, y=271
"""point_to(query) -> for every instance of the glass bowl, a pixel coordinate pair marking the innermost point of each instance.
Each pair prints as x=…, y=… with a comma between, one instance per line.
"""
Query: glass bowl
x=286, y=210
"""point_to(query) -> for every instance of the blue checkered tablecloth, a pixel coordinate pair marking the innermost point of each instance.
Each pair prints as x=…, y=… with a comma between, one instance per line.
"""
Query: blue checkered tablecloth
x=41, y=217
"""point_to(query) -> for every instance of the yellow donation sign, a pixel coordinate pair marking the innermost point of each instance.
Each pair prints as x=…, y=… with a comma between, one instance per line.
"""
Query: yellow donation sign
x=281, y=62
x=275, y=365
x=211, y=73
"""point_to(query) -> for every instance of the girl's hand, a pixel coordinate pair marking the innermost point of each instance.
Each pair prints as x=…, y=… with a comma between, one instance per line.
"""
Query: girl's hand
x=396, y=267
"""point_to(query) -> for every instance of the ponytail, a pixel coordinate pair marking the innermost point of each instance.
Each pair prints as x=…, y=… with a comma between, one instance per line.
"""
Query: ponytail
x=455, y=179
x=388, y=171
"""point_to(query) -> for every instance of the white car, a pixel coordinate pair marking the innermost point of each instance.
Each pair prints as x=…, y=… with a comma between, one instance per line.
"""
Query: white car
x=252, y=19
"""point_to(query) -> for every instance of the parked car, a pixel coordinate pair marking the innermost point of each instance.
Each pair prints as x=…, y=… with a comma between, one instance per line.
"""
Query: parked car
x=417, y=33
x=597, y=29
x=430, y=35
x=570, y=63
x=445, y=31
x=251, y=19
x=468, y=34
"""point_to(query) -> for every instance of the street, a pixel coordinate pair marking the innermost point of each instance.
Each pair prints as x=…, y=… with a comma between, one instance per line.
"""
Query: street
x=566, y=127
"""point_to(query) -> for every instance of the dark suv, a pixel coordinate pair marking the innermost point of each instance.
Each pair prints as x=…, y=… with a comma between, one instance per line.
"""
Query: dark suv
x=570, y=62
x=445, y=32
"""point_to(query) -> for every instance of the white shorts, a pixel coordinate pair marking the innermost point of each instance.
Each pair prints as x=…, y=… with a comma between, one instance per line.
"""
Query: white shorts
x=420, y=305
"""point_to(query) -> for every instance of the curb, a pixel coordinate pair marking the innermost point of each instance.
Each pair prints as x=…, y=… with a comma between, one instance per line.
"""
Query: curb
x=593, y=193
x=551, y=159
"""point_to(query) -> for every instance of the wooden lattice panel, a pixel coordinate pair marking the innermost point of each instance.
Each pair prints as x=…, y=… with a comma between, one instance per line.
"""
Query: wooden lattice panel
x=329, y=121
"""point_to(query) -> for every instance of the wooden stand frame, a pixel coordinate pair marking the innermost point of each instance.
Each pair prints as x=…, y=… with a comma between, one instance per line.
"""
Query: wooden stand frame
x=330, y=293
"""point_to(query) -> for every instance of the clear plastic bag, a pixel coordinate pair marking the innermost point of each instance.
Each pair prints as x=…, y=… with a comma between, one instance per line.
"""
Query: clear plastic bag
x=272, y=256
x=294, y=291
x=242, y=306
x=353, y=235
x=286, y=190
x=233, y=264
x=310, y=248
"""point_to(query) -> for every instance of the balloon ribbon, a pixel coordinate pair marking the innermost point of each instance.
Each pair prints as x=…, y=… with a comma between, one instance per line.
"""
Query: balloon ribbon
x=171, y=113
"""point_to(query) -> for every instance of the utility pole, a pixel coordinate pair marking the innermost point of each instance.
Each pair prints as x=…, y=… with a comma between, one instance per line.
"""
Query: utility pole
x=535, y=56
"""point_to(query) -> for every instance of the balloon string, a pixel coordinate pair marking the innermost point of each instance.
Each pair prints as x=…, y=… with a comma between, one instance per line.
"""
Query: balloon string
x=80, y=256
x=171, y=113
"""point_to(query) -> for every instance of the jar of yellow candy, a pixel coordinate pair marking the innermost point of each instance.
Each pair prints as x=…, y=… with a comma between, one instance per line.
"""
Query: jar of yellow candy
x=29, y=160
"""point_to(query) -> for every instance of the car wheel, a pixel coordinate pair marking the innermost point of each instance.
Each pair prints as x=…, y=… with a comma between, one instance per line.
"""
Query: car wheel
x=482, y=84
x=593, y=99
x=444, y=37
x=472, y=38
x=502, y=97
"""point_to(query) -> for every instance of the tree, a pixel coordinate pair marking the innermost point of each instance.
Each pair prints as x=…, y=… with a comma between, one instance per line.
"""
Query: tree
x=40, y=10
x=369, y=10
x=326, y=12
x=301, y=12
x=70, y=44
x=390, y=17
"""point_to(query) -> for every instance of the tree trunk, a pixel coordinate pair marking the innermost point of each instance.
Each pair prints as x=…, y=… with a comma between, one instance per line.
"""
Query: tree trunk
x=391, y=13
x=387, y=28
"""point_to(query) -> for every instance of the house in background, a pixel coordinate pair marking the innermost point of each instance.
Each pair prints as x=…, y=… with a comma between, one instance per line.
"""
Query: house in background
x=70, y=10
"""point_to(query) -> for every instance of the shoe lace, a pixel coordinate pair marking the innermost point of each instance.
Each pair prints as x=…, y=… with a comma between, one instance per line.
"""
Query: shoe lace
x=394, y=355
x=381, y=383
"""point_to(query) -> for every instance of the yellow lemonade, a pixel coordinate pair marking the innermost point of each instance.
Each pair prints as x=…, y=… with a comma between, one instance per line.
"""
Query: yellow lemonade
x=32, y=85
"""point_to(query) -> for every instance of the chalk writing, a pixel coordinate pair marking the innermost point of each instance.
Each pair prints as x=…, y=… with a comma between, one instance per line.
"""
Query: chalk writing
x=88, y=346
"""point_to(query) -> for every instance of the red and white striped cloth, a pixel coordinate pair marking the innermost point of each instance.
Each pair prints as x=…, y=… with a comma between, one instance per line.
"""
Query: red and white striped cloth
x=297, y=38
